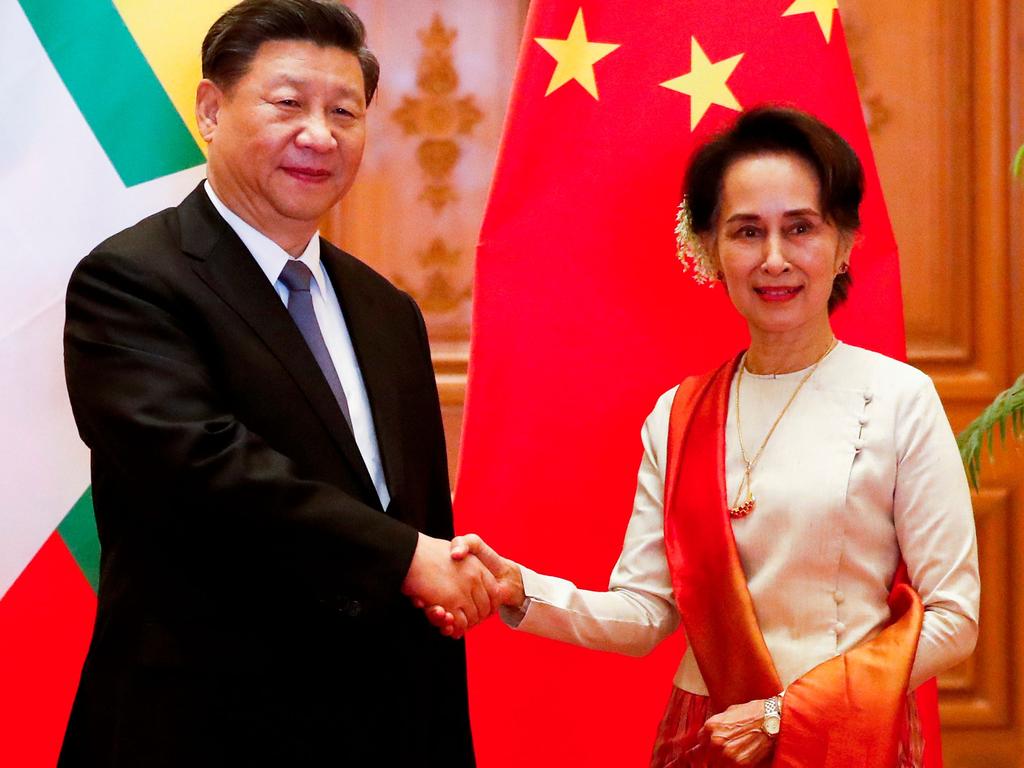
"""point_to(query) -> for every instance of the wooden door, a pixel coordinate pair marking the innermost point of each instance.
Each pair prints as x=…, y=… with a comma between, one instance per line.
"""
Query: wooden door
x=941, y=85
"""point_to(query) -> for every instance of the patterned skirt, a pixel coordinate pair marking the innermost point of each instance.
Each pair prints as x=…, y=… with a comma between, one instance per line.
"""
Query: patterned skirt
x=686, y=713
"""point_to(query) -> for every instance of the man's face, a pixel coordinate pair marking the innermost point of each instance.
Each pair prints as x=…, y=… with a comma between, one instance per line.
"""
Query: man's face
x=286, y=140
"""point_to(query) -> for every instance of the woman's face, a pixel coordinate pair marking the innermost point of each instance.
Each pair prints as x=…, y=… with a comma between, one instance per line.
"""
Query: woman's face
x=777, y=252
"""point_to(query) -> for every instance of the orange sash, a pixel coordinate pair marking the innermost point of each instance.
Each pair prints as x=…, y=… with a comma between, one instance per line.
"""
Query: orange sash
x=845, y=713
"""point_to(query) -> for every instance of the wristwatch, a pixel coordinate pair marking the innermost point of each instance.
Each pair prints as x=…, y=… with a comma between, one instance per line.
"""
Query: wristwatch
x=772, y=716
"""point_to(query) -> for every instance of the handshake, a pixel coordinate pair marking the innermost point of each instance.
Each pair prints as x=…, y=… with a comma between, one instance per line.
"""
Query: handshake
x=460, y=583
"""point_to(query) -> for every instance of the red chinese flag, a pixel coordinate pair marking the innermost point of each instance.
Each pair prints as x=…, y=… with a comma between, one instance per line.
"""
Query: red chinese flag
x=583, y=316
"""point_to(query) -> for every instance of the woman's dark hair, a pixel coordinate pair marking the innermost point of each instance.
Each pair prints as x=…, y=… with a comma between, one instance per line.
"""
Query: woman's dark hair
x=771, y=130
x=232, y=42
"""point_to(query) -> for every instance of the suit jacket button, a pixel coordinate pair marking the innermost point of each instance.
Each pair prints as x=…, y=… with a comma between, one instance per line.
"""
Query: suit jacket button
x=355, y=608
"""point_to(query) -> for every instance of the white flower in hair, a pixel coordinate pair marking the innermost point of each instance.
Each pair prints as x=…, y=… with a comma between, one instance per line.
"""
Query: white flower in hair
x=690, y=249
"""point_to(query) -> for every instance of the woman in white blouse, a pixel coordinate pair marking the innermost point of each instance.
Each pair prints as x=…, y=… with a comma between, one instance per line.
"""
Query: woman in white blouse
x=839, y=464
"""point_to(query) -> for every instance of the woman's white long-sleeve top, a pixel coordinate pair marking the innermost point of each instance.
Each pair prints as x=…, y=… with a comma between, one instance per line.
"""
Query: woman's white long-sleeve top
x=862, y=469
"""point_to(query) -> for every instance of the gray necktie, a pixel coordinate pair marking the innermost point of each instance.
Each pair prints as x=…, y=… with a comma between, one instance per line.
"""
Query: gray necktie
x=296, y=277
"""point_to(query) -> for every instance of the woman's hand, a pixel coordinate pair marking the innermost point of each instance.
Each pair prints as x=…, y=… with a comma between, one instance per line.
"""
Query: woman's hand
x=506, y=572
x=733, y=738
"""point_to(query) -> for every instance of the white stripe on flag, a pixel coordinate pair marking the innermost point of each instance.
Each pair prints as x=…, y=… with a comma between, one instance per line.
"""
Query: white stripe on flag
x=60, y=198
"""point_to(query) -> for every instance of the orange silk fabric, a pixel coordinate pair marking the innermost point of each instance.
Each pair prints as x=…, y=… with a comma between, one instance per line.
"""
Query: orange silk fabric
x=707, y=577
x=845, y=713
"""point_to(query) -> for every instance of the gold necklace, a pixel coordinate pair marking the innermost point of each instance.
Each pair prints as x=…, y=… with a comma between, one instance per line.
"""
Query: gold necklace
x=738, y=510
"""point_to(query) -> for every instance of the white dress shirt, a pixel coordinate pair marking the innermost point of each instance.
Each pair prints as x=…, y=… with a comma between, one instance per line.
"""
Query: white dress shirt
x=862, y=469
x=271, y=259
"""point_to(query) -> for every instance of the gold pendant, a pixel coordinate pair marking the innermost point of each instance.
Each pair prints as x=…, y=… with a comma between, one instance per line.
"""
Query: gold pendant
x=744, y=509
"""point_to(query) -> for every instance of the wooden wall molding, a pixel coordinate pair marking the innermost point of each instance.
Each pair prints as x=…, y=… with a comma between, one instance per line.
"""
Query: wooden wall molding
x=943, y=154
x=977, y=693
x=951, y=72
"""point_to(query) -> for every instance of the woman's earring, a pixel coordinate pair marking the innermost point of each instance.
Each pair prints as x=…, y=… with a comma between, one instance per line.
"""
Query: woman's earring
x=844, y=268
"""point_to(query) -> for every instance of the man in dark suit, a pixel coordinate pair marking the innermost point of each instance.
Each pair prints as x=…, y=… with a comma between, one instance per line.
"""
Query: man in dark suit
x=269, y=471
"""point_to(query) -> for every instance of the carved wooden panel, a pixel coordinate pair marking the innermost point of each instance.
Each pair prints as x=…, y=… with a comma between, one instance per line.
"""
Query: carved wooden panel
x=941, y=84
x=981, y=699
x=933, y=76
x=415, y=210
x=978, y=692
x=935, y=56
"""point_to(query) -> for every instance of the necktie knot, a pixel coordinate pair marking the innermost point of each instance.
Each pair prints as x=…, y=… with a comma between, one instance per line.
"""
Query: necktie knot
x=296, y=276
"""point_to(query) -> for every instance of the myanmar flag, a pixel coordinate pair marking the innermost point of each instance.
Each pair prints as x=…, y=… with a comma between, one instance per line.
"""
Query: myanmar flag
x=583, y=316
x=97, y=133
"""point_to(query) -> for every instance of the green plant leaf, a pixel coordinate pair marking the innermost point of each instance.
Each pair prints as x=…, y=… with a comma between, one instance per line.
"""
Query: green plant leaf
x=1007, y=406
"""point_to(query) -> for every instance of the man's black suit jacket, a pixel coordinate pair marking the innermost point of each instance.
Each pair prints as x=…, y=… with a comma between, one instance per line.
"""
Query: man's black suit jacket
x=249, y=602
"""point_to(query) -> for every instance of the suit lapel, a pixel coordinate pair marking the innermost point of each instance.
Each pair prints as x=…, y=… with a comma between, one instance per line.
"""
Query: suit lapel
x=222, y=261
x=368, y=327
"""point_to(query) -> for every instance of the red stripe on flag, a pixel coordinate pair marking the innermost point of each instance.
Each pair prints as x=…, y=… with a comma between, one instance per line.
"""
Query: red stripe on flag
x=46, y=621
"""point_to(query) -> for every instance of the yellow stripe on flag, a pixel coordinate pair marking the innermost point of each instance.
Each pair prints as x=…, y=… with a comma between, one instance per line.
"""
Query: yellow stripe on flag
x=171, y=43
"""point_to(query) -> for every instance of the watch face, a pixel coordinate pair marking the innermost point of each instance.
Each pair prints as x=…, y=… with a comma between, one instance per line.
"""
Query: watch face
x=771, y=725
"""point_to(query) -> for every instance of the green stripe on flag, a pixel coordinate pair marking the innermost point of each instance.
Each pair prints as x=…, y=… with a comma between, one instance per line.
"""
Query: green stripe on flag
x=78, y=530
x=114, y=87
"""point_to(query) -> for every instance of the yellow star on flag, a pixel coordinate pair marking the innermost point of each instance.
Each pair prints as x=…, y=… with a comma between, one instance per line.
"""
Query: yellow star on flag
x=824, y=10
x=706, y=83
x=576, y=57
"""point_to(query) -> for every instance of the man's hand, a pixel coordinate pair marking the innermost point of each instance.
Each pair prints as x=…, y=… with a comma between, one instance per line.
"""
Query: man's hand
x=507, y=573
x=733, y=738
x=508, y=577
x=467, y=590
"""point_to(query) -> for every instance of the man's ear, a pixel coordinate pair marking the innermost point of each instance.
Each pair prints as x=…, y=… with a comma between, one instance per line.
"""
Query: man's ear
x=209, y=97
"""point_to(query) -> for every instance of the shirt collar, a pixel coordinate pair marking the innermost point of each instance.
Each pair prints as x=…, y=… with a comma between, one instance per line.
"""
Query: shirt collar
x=270, y=257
